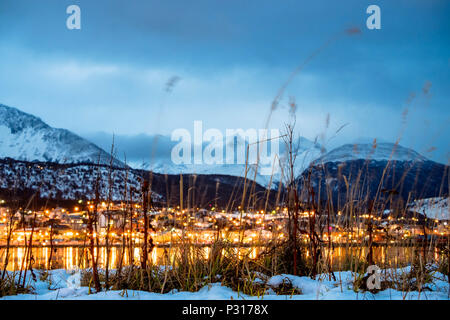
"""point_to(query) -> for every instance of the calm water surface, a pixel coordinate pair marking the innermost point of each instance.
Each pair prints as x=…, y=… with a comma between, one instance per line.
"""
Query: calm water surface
x=71, y=257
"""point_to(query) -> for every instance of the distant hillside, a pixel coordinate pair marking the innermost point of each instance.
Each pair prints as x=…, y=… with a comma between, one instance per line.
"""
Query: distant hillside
x=358, y=172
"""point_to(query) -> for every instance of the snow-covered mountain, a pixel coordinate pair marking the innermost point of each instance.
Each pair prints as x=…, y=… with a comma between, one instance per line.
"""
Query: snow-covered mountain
x=69, y=181
x=26, y=137
x=307, y=152
x=60, y=164
x=376, y=152
x=361, y=171
x=21, y=179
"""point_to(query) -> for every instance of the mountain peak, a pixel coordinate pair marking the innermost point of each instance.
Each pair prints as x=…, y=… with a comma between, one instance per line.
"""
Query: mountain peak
x=26, y=137
x=18, y=120
x=368, y=151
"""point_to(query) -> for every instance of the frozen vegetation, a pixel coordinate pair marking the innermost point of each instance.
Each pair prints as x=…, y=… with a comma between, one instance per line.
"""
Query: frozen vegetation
x=66, y=285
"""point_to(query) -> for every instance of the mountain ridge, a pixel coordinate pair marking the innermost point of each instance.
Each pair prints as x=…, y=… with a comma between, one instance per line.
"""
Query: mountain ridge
x=374, y=171
x=153, y=152
x=369, y=151
x=26, y=137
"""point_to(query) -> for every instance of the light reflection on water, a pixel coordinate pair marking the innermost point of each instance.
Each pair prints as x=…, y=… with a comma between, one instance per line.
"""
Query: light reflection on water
x=70, y=257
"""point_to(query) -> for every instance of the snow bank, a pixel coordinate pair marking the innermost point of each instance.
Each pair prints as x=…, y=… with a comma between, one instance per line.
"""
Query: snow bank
x=65, y=285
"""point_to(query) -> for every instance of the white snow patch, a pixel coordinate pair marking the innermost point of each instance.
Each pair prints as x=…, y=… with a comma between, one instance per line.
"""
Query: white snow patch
x=58, y=286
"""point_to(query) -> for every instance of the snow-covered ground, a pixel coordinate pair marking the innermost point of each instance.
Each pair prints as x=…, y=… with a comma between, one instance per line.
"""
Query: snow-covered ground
x=433, y=208
x=65, y=285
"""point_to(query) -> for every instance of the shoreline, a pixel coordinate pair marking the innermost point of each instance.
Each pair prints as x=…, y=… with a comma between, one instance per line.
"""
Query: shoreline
x=232, y=245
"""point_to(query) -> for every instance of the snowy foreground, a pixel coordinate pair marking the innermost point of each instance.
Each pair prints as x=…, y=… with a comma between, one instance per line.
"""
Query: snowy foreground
x=65, y=285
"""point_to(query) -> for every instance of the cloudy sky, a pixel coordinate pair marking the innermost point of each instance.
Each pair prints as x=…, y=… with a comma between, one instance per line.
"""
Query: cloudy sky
x=231, y=58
